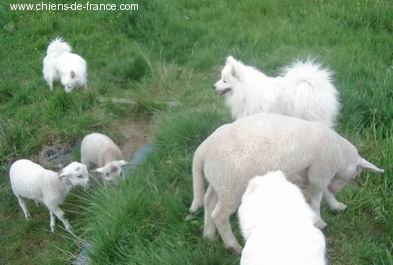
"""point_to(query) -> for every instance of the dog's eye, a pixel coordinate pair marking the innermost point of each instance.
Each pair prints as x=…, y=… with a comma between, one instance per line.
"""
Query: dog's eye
x=224, y=81
x=80, y=176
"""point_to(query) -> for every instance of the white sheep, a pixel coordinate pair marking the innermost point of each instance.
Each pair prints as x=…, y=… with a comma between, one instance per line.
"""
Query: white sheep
x=309, y=153
x=99, y=150
x=31, y=181
x=277, y=224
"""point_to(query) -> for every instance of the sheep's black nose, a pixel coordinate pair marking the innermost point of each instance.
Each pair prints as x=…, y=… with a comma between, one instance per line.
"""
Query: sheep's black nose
x=213, y=86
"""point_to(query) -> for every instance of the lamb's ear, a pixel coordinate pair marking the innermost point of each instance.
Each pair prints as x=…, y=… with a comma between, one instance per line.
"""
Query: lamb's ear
x=363, y=163
x=62, y=175
x=72, y=74
x=113, y=169
x=124, y=163
x=99, y=170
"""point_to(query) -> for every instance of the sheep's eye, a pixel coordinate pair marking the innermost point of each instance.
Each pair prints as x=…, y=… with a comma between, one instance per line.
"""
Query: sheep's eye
x=80, y=176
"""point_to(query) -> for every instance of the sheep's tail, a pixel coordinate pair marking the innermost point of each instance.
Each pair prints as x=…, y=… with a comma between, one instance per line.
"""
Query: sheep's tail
x=197, y=181
x=314, y=87
x=58, y=46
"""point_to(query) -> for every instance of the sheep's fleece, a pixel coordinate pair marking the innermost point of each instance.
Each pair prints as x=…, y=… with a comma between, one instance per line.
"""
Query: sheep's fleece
x=31, y=181
x=307, y=152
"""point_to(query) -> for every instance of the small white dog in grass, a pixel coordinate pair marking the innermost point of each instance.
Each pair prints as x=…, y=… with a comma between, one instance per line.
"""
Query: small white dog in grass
x=277, y=224
x=303, y=90
x=60, y=64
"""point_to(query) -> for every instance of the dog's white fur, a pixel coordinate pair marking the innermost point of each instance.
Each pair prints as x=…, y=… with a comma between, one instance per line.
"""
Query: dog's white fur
x=99, y=150
x=303, y=90
x=31, y=181
x=309, y=153
x=277, y=224
x=60, y=64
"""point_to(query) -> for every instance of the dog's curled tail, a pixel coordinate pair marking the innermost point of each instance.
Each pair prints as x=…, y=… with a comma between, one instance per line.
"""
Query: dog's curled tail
x=58, y=46
x=313, y=86
x=307, y=71
x=197, y=181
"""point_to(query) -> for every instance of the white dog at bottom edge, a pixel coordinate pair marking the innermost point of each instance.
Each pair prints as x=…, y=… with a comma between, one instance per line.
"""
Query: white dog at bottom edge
x=277, y=224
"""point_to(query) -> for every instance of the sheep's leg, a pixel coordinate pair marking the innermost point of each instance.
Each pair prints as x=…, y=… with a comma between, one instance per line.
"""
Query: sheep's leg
x=318, y=179
x=221, y=214
x=315, y=201
x=60, y=215
x=24, y=208
x=334, y=205
x=85, y=162
x=52, y=221
x=210, y=201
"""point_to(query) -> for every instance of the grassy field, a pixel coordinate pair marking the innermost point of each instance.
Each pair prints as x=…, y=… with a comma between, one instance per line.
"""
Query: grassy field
x=171, y=51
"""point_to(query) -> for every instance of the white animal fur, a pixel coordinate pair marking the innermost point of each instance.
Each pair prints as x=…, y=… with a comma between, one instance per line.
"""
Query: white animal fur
x=31, y=181
x=305, y=151
x=60, y=64
x=303, y=90
x=277, y=224
x=99, y=150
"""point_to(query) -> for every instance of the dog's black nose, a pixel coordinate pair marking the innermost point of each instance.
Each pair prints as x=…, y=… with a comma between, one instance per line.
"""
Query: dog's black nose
x=213, y=86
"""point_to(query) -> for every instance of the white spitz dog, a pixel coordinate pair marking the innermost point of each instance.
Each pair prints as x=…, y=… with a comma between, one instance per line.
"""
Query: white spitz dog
x=61, y=64
x=277, y=224
x=303, y=90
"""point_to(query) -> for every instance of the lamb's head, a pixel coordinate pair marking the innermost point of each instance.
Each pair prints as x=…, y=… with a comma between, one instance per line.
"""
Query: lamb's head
x=350, y=172
x=112, y=170
x=230, y=77
x=76, y=174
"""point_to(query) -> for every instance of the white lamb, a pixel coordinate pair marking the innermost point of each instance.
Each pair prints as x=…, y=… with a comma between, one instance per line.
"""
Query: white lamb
x=277, y=224
x=31, y=181
x=309, y=153
x=99, y=150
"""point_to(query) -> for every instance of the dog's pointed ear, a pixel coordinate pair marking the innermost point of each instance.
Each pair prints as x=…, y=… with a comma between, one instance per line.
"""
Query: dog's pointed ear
x=230, y=60
x=72, y=74
x=234, y=66
x=363, y=163
x=251, y=187
x=236, y=70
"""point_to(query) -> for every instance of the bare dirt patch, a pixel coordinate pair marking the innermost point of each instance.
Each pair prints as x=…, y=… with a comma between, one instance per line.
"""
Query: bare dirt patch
x=134, y=135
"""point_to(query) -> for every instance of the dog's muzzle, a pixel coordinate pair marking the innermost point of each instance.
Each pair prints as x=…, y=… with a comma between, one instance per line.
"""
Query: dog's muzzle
x=223, y=92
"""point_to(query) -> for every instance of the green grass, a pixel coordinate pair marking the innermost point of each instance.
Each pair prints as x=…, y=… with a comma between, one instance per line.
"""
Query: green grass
x=171, y=51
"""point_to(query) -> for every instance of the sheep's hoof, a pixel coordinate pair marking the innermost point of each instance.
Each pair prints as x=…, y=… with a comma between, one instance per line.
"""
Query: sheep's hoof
x=189, y=217
x=339, y=207
x=237, y=250
x=210, y=236
x=321, y=224
x=28, y=217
